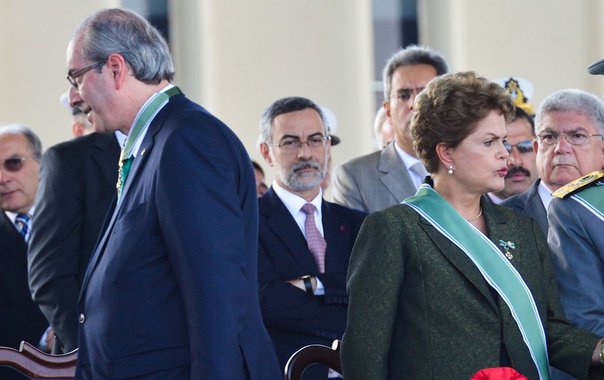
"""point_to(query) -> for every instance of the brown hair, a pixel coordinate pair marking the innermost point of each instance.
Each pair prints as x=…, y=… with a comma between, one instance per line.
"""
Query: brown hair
x=449, y=108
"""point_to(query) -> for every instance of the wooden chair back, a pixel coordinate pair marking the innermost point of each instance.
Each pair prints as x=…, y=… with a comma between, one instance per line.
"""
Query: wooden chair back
x=37, y=364
x=313, y=354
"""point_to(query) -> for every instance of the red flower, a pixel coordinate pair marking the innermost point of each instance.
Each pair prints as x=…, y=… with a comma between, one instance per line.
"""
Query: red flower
x=498, y=373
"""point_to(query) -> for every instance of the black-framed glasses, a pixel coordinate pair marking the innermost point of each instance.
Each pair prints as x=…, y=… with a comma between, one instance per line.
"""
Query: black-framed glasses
x=525, y=146
x=13, y=164
x=291, y=145
x=71, y=78
x=404, y=94
x=574, y=138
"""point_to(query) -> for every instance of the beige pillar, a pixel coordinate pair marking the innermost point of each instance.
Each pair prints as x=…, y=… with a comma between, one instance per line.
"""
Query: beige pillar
x=237, y=57
x=33, y=41
x=549, y=43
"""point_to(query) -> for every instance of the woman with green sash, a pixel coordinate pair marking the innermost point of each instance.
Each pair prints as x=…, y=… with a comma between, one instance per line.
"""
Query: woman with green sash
x=448, y=283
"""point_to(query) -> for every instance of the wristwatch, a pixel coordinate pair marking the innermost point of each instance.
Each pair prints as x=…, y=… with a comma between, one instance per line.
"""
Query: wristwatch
x=602, y=351
x=308, y=286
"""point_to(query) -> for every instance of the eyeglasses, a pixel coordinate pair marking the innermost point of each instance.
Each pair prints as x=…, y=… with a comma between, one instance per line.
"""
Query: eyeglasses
x=574, y=138
x=291, y=145
x=71, y=78
x=525, y=146
x=13, y=164
x=404, y=94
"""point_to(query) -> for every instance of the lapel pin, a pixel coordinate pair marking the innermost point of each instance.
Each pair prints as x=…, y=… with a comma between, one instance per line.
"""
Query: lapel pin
x=143, y=151
x=507, y=245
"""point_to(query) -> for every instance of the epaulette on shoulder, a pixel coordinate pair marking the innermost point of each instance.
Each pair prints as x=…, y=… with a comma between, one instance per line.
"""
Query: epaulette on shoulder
x=578, y=184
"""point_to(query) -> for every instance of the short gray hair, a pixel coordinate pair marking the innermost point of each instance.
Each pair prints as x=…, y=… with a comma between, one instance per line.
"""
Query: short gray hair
x=34, y=142
x=412, y=55
x=286, y=105
x=572, y=100
x=125, y=32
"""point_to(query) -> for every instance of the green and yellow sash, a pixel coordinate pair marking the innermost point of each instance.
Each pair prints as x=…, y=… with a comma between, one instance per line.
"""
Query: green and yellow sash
x=492, y=264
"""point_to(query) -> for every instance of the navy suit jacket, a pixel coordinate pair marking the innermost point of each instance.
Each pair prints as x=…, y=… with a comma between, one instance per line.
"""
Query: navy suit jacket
x=77, y=186
x=294, y=318
x=20, y=317
x=529, y=203
x=171, y=290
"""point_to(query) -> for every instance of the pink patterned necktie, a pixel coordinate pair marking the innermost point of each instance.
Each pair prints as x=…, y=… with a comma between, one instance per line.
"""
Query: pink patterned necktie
x=316, y=243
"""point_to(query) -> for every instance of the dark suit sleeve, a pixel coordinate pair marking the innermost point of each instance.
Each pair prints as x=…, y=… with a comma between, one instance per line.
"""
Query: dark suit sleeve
x=573, y=237
x=199, y=204
x=53, y=251
x=286, y=307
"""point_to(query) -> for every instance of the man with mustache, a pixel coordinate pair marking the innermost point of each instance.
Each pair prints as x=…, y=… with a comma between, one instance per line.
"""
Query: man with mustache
x=305, y=241
x=564, y=113
x=522, y=170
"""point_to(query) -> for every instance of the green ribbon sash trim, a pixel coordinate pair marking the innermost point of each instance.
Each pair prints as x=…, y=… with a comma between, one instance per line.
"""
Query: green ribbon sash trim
x=592, y=198
x=149, y=110
x=492, y=264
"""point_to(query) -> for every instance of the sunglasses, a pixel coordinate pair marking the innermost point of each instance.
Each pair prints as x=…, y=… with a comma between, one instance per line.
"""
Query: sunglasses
x=525, y=146
x=13, y=164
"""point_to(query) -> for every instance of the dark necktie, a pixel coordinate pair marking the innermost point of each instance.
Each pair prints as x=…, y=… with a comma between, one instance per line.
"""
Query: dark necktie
x=22, y=224
x=316, y=242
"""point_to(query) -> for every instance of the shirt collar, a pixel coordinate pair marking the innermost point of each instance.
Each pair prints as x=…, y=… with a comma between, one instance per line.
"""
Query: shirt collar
x=408, y=159
x=545, y=193
x=293, y=202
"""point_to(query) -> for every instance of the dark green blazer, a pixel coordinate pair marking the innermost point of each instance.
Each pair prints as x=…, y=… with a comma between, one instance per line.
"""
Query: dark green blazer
x=420, y=309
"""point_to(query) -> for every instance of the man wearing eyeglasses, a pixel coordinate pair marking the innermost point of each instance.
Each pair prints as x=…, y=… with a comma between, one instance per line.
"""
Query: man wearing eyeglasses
x=20, y=317
x=521, y=165
x=576, y=224
x=305, y=241
x=171, y=291
x=569, y=126
x=375, y=181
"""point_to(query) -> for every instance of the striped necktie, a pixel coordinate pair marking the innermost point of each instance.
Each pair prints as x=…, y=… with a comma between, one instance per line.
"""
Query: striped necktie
x=22, y=224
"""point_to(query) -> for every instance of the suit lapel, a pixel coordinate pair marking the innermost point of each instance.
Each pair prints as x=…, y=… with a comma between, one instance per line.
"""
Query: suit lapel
x=15, y=244
x=535, y=207
x=336, y=234
x=284, y=229
x=496, y=227
x=396, y=178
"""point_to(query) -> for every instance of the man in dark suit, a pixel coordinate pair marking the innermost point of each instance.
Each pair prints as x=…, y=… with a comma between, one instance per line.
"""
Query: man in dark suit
x=171, y=289
x=385, y=178
x=20, y=318
x=77, y=185
x=305, y=241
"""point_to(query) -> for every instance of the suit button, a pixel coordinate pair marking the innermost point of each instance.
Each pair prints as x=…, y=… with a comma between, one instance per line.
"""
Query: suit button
x=81, y=318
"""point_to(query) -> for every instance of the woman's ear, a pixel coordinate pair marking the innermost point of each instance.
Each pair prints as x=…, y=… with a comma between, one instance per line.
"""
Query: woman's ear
x=445, y=155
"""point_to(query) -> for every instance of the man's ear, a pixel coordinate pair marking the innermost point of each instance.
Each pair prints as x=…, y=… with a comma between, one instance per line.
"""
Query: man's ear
x=265, y=151
x=119, y=69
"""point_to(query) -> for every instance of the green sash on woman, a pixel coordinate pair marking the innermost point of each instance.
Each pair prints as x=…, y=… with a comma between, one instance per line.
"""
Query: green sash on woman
x=493, y=265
